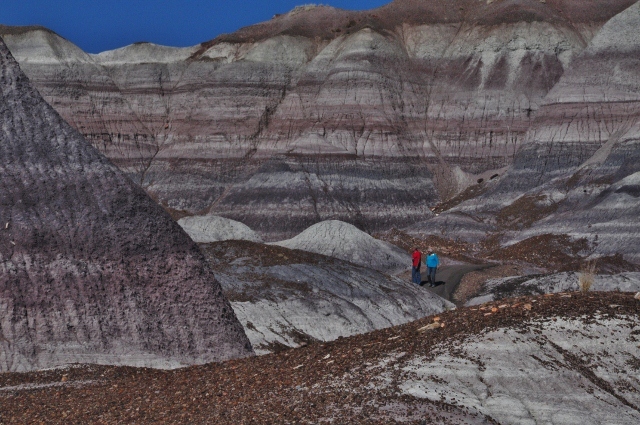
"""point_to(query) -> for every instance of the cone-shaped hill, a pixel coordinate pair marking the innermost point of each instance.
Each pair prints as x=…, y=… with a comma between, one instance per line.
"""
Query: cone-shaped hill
x=345, y=241
x=91, y=269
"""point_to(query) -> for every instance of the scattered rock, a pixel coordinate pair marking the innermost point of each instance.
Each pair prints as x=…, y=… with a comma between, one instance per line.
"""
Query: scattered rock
x=435, y=376
x=429, y=327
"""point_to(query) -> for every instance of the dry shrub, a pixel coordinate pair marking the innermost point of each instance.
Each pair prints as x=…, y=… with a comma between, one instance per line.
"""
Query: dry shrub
x=587, y=276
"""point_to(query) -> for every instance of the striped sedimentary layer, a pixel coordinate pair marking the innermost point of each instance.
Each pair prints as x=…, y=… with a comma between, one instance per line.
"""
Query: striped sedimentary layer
x=287, y=297
x=367, y=117
x=91, y=269
x=578, y=171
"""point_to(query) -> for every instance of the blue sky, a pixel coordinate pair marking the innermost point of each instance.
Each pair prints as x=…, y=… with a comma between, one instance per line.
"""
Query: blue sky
x=98, y=25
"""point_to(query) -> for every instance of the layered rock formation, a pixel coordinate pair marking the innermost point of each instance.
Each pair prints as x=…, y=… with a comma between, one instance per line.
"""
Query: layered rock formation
x=91, y=269
x=578, y=172
x=287, y=298
x=367, y=117
x=590, y=160
x=560, y=359
x=532, y=360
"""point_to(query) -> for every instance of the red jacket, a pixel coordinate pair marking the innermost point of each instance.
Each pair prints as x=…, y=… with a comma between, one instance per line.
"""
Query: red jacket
x=417, y=256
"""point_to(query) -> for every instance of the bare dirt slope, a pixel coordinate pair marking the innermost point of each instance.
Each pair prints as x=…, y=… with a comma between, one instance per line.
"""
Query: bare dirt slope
x=566, y=358
x=91, y=269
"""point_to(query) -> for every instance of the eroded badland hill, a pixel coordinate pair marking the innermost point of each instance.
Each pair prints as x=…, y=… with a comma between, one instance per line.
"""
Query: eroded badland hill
x=307, y=156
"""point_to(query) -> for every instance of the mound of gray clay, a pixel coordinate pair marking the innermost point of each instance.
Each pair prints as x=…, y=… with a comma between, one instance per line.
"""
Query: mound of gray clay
x=213, y=228
x=345, y=241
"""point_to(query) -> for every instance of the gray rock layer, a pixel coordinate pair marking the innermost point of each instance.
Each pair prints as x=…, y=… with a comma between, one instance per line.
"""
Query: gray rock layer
x=91, y=269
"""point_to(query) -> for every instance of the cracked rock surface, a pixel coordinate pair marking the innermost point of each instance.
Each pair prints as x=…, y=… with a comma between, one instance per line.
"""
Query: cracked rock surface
x=91, y=269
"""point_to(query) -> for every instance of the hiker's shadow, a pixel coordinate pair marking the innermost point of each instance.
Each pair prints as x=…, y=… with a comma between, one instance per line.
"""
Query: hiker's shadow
x=438, y=283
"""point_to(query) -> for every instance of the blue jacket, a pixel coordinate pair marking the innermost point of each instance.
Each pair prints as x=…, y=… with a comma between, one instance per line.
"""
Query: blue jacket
x=432, y=260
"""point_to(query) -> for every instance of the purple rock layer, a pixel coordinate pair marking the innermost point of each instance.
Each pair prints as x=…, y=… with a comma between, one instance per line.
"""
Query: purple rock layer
x=91, y=269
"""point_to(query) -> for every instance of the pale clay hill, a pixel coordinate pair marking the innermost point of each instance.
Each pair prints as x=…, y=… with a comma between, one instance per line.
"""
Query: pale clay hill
x=367, y=117
x=91, y=269
x=330, y=281
x=342, y=240
x=212, y=228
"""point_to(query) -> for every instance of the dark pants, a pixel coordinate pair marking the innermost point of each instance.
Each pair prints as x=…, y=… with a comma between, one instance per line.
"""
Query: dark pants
x=432, y=275
x=415, y=275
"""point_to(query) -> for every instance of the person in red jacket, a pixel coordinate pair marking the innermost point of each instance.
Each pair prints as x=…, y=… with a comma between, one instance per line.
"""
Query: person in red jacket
x=415, y=268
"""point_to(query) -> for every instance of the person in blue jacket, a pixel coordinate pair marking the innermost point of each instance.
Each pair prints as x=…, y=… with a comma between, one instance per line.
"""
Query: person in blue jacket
x=432, y=261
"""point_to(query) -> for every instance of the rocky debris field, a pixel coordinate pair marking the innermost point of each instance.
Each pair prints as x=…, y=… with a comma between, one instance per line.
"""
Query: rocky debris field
x=453, y=249
x=547, y=252
x=473, y=282
x=558, y=253
x=413, y=373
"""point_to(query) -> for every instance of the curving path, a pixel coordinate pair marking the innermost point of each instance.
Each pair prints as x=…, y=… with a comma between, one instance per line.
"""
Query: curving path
x=448, y=278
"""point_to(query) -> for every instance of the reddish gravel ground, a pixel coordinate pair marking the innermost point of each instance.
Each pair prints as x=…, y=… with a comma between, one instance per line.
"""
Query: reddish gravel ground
x=473, y=282
x=318, y=383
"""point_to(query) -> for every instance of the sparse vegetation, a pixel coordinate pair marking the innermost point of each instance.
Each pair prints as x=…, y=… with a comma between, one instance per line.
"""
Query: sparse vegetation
x=587, y=276
x=305, y=7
